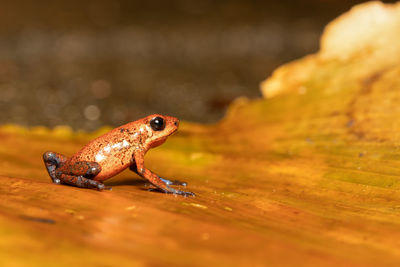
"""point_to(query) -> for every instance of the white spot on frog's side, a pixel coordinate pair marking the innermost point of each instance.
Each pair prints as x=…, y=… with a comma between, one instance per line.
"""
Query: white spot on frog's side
x=117, y=145
x=125, y=144
x=107, y=149
x=149, y=131
x=100, y=157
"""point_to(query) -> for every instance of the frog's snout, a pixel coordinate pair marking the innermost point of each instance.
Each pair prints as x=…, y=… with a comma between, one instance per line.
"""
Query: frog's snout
x=176, y=123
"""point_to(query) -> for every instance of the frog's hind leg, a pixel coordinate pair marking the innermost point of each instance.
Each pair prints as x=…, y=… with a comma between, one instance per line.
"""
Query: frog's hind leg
x=81, y=174
x=52, y=161
x=80, y=181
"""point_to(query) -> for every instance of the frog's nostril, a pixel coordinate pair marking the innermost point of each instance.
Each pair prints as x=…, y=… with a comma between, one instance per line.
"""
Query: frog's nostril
x=176, y=123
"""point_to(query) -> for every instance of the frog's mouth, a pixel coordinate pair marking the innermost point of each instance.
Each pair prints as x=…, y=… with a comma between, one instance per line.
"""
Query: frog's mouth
x=162, y=140
x=174, y=131
x=171, y=133
x=159, y=141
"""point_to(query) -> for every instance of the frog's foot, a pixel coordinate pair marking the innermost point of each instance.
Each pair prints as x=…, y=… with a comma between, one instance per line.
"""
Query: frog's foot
x=80, y=181
x=182, y=193
x=57, y=181
x=175, y=182
x=52, y=161
x=160, y=183
x=172, y=191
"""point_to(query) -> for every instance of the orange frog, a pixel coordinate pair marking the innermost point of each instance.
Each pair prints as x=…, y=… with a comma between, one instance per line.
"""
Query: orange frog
x=113, y=152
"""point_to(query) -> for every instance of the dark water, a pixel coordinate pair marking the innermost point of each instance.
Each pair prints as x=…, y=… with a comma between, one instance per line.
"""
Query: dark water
x=109, y=62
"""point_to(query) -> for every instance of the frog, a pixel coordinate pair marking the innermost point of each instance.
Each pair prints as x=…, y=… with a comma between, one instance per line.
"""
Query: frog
x=109, y=154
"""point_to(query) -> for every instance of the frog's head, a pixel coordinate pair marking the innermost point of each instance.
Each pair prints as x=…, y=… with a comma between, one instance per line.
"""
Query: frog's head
x=161, y=127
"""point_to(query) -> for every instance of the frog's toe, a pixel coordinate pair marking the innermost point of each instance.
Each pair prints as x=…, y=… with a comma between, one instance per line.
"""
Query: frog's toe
x=175, y=182
x=57, y=181
x=102, y=187
x=168, y=182
x=172, y=191
x=186, y=194
x=182, y=193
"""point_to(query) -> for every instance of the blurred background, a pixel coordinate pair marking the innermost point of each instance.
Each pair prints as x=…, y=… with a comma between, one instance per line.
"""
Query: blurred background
x=97, y=62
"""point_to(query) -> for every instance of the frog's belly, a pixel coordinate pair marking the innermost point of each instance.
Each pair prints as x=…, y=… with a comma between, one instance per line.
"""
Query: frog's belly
x=107, y=172
x=112, y=166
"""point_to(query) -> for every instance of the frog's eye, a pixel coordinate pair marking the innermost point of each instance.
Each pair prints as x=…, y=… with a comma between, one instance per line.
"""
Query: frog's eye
x=157, y=124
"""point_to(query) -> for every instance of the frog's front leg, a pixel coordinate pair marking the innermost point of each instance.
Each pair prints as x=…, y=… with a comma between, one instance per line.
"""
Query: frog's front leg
x=137, y=165
x=80, y=174
x=133, y=168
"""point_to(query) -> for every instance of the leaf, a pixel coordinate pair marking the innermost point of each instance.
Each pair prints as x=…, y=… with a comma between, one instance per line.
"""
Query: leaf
x=308, y=176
